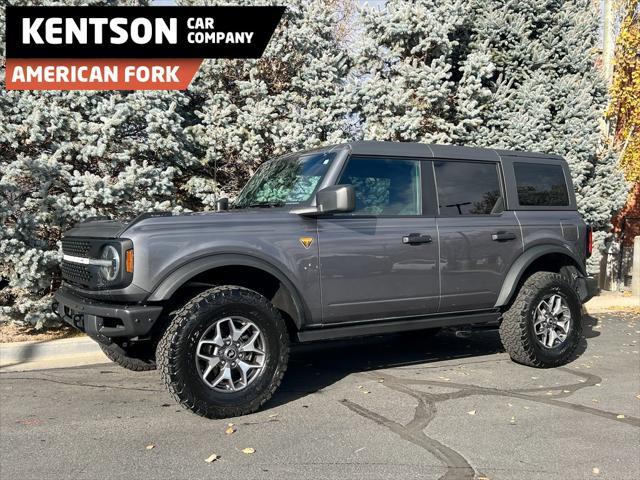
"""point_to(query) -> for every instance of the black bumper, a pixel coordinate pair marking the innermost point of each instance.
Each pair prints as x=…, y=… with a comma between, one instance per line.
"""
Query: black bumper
x=104, y=321
x=587, y=288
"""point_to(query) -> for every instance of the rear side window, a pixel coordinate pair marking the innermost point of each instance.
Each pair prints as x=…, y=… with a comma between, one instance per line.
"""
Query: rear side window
x=541, y=185
x=468, y=188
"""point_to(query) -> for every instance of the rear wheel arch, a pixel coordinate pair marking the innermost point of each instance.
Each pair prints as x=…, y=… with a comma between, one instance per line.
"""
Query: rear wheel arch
x=235, y=269
x=549, y=258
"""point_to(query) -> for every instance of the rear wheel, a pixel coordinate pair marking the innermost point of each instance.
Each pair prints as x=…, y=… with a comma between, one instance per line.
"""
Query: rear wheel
x=137, y=357
x=543, y=325
x=224, y=353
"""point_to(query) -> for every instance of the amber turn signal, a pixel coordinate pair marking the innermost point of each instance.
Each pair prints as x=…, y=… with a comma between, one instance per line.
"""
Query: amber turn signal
x=128, y=261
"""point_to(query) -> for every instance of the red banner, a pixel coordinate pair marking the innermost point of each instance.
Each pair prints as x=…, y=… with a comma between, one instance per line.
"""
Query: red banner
x=100, y=74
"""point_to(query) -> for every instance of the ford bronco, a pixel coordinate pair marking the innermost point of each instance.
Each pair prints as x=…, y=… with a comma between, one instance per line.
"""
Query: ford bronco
x=354, y=239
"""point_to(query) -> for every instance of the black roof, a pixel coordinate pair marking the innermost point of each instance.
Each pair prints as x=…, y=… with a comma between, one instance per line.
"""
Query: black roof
x=411, y=149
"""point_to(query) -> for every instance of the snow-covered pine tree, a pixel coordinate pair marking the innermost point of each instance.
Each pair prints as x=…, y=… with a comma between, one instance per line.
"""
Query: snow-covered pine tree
x=549, y=96
x=65, y=156
x=518, y=75
x=417, y=79
x=291, y=98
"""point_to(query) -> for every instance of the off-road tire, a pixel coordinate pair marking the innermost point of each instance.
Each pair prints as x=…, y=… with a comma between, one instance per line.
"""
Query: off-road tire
x=138, y=358
x=176, y=352
x=517, y=331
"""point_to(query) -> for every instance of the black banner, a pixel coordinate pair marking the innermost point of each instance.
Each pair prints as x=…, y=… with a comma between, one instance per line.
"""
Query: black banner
x=139, y=32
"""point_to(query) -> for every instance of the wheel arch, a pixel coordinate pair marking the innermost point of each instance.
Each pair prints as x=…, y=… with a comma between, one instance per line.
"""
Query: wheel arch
x=198, y=272
x=539, y=258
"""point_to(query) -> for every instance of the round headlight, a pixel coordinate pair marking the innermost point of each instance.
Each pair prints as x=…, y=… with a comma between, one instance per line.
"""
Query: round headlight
x=110, y=272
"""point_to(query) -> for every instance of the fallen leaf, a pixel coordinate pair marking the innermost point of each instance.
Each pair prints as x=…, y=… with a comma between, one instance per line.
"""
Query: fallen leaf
x=230, y=430
x=151, y=447
x=620, y=416
x=248, y=450
x=212, y=458
x=30, y=422
x=472, y=412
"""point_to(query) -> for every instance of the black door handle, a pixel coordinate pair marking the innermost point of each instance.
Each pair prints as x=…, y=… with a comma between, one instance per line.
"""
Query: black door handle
x=416, y=238
x=503, y=236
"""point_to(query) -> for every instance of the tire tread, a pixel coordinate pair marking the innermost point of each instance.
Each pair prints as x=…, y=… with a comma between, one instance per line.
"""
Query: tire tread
x=167, y=351
x=514, y=327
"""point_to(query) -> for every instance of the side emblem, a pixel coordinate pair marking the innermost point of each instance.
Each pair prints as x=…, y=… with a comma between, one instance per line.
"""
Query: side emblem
x=306, y=241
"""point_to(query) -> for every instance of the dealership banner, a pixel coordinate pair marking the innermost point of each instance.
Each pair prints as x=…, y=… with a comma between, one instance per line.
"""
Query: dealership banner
x=127, y=48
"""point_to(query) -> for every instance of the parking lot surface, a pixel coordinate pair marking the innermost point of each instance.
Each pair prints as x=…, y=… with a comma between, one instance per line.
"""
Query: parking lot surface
x=398, y=406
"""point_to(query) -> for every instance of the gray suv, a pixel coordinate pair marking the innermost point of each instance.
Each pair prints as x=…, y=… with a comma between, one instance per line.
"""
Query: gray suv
x=354, y=239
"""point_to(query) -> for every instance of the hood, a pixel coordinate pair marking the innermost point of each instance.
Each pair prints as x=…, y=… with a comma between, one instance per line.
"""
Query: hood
x=97, y=229
x=155, y=221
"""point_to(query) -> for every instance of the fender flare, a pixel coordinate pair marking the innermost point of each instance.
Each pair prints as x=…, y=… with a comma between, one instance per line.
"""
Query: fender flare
x=524, y=261
x=178, y=277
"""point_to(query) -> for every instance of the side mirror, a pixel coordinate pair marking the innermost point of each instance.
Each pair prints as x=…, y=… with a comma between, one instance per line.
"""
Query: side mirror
x=335, y=199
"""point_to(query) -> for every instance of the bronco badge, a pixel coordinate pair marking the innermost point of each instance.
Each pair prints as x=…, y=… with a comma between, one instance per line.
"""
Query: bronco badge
x=306, y=241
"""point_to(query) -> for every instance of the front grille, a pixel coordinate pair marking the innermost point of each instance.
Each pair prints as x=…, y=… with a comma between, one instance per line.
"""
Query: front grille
x=76, y=248
x=76, y=273
x=89, y=276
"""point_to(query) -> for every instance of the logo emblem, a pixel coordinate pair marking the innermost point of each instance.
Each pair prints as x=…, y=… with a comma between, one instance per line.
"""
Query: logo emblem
x=306, y=242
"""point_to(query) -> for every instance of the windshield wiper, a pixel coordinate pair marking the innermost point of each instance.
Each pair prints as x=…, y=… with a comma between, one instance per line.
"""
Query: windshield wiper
x=263, y=205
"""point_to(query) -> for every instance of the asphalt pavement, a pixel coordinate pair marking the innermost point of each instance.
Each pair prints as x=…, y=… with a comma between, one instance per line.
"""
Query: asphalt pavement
x=390, y=407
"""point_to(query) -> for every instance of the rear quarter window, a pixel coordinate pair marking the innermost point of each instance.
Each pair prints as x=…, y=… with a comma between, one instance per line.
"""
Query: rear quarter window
x=541, y=185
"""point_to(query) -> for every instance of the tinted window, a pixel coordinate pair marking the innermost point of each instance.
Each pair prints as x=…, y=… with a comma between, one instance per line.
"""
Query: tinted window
x=541, y=185
x=468, y=188
x=384, y=186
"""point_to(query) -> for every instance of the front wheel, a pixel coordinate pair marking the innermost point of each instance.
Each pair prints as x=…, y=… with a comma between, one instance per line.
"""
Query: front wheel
x=224, y=353
x=543, y=325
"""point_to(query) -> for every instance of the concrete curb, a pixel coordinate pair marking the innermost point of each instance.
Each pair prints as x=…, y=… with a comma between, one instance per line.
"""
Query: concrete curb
x=67, y=352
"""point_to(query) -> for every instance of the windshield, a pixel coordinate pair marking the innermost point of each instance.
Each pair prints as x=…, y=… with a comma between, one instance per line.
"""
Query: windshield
x=284, y=181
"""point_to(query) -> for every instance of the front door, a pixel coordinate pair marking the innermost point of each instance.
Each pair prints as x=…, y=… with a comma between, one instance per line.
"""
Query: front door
x=380, y=261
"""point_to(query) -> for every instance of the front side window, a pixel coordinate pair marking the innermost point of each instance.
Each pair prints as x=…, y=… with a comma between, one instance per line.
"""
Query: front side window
x=468, y=188
x=384, y=186
x=289, y=180
x=541, y=184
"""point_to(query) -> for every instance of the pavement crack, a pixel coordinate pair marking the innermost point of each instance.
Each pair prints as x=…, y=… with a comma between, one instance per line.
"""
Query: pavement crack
x=465, y=390
x=457, y=466
x=88, y=385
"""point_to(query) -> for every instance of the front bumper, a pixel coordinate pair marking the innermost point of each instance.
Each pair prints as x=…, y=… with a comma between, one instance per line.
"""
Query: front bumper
x=103, y=321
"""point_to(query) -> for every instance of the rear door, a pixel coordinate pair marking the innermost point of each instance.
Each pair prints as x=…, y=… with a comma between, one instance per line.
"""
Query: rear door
x=479, y=240
x=380, y=261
